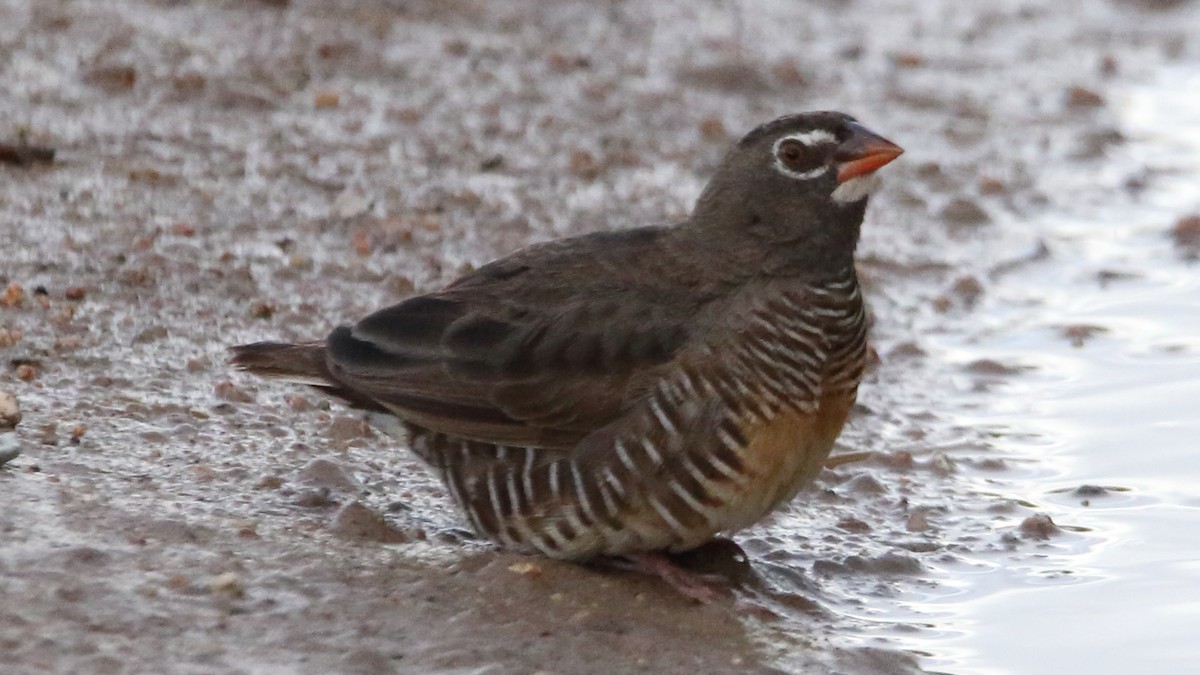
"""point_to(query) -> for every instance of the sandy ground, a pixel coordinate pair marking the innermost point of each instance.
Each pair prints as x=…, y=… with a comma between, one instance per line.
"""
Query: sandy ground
x=233, y=171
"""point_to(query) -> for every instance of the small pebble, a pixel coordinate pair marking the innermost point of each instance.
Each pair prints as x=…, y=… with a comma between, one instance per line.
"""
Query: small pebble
x=112, y=79
x=1186, y=234
x=297, y=403
x=350, y=204
x=968, y=288
x=918, y=521
x=789, y=73
x=361, y=241
x=991, y=186
x=942, y=465
x=584, y=165
x=22, y=154
x=328, y=474
x=962, y=211
x=356, y=521
x=1082, y=97
x=149, y=335
x=326, y=99
x=713, y=130
x=10, y=410
x=228, y=391
x=10, y=449
x=992, y=464
x=853, y=525
x=262, y=310
x=906, y=350
x=1078, y=334
x=348, y=428
x=865, y=484
x=13, y=295
x=228, y=584
x=1039, y=526
x=991, y=368
x=188, y=84
x=899, y=460
x=528, y=569
x=269, y=483
x=1090, y=491
x=315, y=499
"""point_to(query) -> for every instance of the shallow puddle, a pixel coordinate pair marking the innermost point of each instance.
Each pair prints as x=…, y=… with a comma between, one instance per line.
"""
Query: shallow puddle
x=1100, y=432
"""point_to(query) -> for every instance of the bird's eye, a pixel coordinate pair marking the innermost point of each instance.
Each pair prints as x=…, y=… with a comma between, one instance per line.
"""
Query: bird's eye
x=797, y=156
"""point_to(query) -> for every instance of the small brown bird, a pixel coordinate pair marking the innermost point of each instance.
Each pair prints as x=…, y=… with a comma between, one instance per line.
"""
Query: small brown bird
x=632, y=392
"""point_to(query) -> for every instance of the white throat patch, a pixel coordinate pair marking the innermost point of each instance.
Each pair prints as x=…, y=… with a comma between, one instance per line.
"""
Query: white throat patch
x=856, y=189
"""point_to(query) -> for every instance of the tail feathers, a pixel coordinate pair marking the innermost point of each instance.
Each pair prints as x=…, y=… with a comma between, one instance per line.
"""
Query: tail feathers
x=301, y=363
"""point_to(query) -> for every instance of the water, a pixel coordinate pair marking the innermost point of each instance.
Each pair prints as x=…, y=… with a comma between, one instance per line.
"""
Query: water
x=1117, y=410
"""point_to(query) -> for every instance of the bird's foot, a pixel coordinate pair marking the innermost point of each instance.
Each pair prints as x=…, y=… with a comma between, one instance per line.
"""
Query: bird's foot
x=699, y=587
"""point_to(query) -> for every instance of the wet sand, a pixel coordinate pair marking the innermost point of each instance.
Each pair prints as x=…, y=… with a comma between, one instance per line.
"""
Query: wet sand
x=232, y=171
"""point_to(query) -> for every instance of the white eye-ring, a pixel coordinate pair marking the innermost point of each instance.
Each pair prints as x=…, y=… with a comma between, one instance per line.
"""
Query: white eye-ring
x=808, y=139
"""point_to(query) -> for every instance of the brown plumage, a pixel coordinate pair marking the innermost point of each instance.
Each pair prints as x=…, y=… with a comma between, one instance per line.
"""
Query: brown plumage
x=642, y=390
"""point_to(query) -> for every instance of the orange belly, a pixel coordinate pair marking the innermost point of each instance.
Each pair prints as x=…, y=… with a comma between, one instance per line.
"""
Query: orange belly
x=784, y=455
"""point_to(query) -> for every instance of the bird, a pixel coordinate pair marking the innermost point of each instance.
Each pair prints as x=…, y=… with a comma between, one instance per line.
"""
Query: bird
x=634, y=393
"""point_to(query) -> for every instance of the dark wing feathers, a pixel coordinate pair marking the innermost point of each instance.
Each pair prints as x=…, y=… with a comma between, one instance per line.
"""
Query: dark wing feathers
x=538, y=349
x=412, y=327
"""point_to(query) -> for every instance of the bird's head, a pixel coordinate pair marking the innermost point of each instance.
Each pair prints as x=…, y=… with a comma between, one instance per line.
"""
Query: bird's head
x=801, y=179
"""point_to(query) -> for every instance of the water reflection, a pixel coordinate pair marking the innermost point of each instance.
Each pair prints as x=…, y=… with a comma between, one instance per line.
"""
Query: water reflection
x=1114, y=329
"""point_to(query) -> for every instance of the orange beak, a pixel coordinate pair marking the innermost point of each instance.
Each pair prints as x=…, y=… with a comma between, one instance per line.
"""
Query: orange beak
x=864, y=152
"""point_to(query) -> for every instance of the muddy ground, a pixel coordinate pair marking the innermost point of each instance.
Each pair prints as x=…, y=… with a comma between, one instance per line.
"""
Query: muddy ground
x=232, y=171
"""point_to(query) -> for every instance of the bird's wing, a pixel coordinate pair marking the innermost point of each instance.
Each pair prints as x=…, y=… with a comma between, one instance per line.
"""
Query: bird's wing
x=538, y=349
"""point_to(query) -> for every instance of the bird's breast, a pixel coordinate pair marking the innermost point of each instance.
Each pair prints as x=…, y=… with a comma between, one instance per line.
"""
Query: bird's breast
x=784, y=454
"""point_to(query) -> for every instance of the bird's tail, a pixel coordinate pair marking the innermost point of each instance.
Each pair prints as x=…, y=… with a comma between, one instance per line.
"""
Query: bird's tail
x=303, y=363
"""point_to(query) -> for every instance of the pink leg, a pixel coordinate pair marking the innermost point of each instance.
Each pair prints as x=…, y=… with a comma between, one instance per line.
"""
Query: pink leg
x=698, y=587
